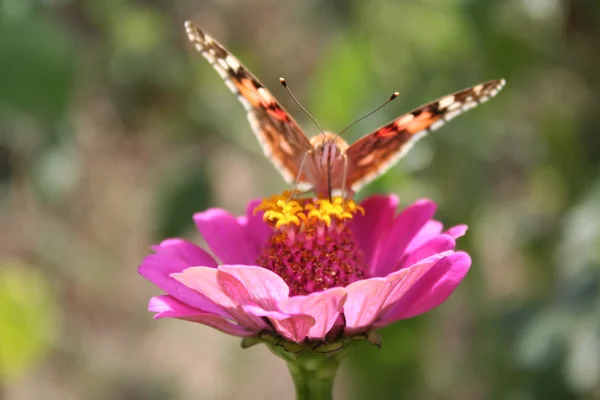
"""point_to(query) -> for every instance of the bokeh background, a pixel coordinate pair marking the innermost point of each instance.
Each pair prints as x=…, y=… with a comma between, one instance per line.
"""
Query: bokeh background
x=113, y=132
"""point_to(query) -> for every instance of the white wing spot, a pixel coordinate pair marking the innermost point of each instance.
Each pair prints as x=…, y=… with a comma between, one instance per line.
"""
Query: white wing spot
x=265, y=95
x=222, y=63
x=445, y=102
x=453, y=106
x=245, y=103
x=437, y=124
x=232, y=62
x=404, y=120
x=468, y=106
x=449, y=115
x=208, y=56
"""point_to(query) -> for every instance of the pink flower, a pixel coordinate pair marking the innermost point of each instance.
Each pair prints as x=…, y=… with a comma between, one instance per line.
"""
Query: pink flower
x=316, y=270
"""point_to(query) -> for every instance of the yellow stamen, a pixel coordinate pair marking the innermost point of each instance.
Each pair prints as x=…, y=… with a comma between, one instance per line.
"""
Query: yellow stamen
x=281, y=210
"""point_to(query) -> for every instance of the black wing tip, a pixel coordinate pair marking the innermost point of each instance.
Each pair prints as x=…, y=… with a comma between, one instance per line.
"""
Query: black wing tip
x=192, y=28
x=499, y=83
x=490, y=88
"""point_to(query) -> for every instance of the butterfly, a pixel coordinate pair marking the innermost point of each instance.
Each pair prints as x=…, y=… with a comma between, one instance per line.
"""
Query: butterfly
x=325, y=162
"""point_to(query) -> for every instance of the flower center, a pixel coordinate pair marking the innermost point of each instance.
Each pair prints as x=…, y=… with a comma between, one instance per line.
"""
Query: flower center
x=312, y=248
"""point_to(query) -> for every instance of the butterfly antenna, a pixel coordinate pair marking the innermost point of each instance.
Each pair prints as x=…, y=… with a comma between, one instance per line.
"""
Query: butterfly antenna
x=284, y=84
x=392, y=97
x=329, y=188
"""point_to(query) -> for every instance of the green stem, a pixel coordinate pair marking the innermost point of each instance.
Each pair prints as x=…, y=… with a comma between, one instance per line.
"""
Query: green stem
x=313, y=377
x=313, y=365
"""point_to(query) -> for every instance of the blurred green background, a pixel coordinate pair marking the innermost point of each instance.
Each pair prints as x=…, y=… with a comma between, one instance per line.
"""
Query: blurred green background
x=113, y=131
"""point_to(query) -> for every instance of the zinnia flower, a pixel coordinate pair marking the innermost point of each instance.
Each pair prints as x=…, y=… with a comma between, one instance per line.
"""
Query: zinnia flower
x=308, y=276
x=308, y=272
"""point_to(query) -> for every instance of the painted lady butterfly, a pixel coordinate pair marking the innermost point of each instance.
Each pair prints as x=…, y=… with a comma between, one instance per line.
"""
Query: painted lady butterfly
x=326, y=161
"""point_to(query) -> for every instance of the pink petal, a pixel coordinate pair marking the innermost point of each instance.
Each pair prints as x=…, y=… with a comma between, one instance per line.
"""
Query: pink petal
x=186, y=252
x=169, y=307
x=166, y=306
x=403, y=280
x=292, y=327
x=405, y=227
x=429, y=230
x=370, y=228
x=263, y=287
x=368, y=298
x=435, y=245
x=325, y=307
x=254, y=224
x=263, y=290
x=432, y=289
x=172, y=256
x=229, y=240
x=365, y=301
x=224, y=290
x=457, y=231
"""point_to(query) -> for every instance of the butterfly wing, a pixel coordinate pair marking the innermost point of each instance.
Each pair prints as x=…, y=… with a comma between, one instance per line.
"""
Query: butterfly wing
x=281, y=139
x=375, y=153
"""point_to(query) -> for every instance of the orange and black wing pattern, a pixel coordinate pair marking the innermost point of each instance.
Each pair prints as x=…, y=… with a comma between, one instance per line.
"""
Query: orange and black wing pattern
x=375, y=153
x=282, y=140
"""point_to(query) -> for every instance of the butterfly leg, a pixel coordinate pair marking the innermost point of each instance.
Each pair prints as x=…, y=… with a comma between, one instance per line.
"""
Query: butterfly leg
x=344, y=173
x=329, y=188
x=297, y=181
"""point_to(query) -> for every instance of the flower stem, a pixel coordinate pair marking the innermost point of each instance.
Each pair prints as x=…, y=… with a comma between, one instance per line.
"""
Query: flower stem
x=313, y=377
x=312, y=365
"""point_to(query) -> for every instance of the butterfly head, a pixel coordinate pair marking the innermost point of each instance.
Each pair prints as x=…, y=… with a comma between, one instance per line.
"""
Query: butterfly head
x=328, y=149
